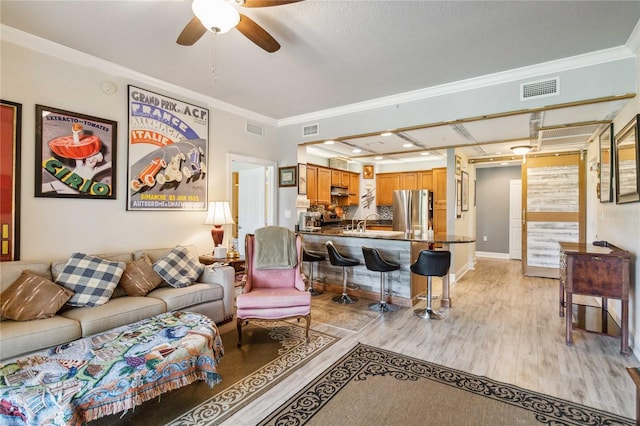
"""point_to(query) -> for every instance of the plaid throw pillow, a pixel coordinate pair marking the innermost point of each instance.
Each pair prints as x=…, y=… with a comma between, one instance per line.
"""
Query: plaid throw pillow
x=91, y=279
x=178, y=267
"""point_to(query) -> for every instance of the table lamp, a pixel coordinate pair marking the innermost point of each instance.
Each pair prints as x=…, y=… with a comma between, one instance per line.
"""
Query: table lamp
x=219, y=214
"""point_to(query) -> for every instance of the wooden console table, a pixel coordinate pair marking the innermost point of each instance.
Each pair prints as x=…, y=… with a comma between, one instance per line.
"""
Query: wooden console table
x=594, y=271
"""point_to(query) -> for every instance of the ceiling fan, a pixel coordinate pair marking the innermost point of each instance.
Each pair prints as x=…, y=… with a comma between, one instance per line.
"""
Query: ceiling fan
x=220, y=16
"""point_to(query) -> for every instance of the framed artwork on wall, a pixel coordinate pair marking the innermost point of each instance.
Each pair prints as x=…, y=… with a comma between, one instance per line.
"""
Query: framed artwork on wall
x=168, y=153
x=287, y=176
x=367, y=171
x=465, y=191
x=627, y=163
x=75, y=155
x=458, y=165
x=302, y=179
x=10, y=135
x=606, y=164
x=458, y=198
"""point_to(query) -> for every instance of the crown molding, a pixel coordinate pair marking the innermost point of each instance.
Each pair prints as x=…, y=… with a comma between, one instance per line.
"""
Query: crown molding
x=533, y=71
x=49, y=48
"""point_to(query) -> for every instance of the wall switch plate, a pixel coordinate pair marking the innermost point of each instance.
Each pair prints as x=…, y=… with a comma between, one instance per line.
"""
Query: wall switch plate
x=287, y=214
x=484, y=238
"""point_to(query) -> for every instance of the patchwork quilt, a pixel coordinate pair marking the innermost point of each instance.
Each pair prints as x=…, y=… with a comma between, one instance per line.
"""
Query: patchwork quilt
x=109, y=372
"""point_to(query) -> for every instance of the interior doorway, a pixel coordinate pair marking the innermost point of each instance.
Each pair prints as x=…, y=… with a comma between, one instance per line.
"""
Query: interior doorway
x=252, y=194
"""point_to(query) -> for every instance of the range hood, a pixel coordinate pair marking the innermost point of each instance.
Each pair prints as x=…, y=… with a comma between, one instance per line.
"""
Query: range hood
x=339, y=191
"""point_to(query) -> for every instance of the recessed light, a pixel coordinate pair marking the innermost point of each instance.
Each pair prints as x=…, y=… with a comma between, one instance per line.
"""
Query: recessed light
x=425, y=153
x=407, y=145
x=379, y=157
x=386, y=134
x=356, y=150
x=329, y=142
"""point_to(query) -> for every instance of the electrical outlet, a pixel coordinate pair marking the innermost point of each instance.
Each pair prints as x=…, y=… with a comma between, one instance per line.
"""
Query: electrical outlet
x=484, y=238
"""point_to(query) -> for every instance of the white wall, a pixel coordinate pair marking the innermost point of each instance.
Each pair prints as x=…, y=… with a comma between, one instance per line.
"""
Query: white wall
x=620, y=224
x=54, y=228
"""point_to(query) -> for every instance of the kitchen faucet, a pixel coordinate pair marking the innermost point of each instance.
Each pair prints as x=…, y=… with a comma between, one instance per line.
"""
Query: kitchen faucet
x=364, y=228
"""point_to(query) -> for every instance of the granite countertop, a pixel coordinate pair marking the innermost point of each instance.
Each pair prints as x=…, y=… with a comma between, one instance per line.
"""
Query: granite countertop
x=336, y=231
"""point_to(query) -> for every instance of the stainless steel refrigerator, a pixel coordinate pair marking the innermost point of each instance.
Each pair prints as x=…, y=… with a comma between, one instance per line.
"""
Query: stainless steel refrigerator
x=413, y=211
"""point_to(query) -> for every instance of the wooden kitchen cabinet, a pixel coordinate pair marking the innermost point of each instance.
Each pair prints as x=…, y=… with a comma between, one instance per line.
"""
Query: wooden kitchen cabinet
x=386, y=183
x=354, y=189
x=324, y=186
x=409, y=180
x=339, y=178
x=440, y=200
x=425, y=180
x=312, y=184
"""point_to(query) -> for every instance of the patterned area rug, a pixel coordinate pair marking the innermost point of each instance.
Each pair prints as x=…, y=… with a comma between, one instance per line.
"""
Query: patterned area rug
x=270, y=352
x=294, y=352
x=374, y=386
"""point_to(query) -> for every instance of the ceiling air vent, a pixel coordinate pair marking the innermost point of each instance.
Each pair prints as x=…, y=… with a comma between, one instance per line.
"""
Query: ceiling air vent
x=540, y=89
x=311, y=130
x=254, y=129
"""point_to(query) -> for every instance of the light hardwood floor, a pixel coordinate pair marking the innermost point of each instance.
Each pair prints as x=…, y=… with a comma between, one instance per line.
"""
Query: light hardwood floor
x=501, y=325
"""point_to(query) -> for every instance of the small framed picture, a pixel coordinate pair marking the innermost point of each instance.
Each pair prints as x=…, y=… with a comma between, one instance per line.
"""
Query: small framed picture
x=367, y=171
x=302, y=179
x=458, y=165
x=287, y=176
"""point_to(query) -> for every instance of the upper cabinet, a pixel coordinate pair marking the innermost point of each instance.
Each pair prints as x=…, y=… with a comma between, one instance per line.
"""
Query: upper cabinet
x=320, y=180
x=324, y=186
x=386, y=183
x=354, y=189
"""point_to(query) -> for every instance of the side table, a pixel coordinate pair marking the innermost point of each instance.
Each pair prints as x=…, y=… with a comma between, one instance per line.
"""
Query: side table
x=236, y=262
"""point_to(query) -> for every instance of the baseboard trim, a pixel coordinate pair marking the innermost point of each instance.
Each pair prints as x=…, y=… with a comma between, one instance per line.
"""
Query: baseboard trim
x=492, y=255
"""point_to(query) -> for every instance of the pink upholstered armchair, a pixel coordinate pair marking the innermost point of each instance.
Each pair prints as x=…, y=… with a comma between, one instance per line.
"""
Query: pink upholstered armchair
x=273, y=289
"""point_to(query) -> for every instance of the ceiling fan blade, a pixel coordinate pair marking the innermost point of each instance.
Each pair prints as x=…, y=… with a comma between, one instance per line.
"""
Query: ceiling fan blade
x=267, y=3
x=191, y=32
x=257, y=34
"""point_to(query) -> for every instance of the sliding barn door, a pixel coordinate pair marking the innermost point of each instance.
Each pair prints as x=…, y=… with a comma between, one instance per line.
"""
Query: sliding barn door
x=553, y=199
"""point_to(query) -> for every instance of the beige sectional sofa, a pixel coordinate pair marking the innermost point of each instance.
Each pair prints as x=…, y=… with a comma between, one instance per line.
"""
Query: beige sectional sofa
x=212, y=295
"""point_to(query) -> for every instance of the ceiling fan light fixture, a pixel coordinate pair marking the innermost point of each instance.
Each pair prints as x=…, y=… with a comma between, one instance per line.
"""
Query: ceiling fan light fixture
x=521, y=149
x=216, y=15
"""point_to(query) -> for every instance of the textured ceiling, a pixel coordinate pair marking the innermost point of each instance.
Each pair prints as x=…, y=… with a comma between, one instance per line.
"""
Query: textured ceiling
x=333, y=53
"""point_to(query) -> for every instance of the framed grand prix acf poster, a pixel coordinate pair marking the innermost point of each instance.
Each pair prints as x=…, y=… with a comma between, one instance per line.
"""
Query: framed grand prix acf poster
x=75, y=155
x=10, y=125
x=168, y=151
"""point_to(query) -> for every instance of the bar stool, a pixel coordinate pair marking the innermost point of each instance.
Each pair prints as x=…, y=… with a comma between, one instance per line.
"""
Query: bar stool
x=337, y=259
x=312, y=257
x=375, y=262
x=431, y=263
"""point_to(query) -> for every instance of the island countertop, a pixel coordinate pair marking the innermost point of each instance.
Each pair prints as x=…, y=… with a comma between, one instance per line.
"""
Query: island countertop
x=439, y=238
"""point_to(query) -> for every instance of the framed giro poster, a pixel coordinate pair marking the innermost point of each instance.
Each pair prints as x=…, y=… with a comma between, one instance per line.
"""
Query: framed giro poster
x=168, y=152
x=75, y=155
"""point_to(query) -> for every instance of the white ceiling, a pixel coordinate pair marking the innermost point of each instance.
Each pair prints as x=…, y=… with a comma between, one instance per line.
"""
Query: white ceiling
x=336, y=53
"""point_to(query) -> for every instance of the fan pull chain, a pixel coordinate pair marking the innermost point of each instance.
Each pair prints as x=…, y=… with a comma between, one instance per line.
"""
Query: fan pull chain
x=214, y=67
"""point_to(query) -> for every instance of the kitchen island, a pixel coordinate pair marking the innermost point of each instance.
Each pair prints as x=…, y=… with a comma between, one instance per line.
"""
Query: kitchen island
x=402, y=286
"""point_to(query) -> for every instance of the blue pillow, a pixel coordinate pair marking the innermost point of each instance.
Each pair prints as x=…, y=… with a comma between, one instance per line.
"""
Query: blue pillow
x=178, y=267
x=92, y=279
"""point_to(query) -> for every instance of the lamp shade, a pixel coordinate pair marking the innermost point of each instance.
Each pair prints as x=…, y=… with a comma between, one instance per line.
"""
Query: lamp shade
x=216, y=16
x=219, y=213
